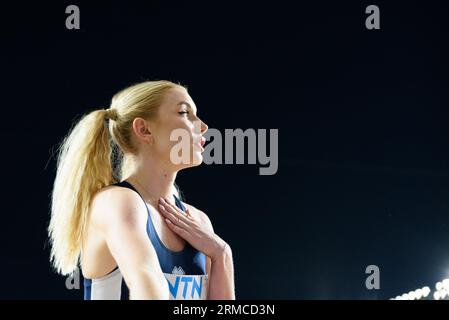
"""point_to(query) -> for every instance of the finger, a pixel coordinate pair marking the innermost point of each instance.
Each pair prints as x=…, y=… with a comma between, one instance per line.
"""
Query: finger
x=171, y=208
x=173, y=217
x=175, y=210
x=172, y=205
x=178, y=230
x=169, y=203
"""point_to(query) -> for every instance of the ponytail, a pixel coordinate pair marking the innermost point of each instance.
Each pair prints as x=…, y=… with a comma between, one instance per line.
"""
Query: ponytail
x=83, y=167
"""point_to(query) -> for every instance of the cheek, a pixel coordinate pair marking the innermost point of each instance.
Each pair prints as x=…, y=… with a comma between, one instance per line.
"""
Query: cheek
x=174, y=134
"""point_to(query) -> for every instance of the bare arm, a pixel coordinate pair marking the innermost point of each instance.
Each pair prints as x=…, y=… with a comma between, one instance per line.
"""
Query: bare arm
x=121, y=217
x=221, y=276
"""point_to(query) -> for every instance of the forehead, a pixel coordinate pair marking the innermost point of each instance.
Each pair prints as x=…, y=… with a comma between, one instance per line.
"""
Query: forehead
x=176, y=95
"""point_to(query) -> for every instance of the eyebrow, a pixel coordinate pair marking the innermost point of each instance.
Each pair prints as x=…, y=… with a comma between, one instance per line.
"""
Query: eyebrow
x=187, y=104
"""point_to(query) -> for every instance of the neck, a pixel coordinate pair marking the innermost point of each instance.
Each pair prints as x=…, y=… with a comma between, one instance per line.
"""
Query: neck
x=153, y=179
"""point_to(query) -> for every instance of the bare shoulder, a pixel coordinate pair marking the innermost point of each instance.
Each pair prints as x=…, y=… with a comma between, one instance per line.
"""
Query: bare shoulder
x=117, y=203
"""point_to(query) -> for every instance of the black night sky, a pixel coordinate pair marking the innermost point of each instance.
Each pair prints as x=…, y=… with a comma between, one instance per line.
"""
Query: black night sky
x=362, y=115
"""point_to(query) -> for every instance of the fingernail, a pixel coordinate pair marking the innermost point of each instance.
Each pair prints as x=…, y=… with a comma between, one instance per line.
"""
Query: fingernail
x=161, y=207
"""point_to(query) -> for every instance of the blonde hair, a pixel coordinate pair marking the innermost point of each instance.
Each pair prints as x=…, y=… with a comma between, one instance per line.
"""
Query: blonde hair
x=88, y=160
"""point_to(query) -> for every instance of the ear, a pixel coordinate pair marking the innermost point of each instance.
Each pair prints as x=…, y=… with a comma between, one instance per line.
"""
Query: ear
x=142, y=130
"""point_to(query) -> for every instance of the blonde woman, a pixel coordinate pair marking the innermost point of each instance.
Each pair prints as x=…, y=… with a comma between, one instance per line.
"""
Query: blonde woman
x=123, y=222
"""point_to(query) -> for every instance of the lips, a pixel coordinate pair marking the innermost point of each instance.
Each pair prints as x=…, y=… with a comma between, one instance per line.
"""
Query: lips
x=203, y=141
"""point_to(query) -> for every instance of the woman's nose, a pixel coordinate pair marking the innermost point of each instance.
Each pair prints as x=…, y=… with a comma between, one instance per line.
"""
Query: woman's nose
x=204, y=127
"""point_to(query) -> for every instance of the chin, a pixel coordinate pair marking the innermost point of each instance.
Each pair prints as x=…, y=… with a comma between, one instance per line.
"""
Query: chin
x=197, y=159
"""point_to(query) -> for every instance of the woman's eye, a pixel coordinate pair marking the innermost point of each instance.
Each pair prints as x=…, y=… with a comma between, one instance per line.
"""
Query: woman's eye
x=183, y=112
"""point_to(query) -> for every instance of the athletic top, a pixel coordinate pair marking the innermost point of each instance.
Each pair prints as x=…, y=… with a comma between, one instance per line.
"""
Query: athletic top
x=184, y=270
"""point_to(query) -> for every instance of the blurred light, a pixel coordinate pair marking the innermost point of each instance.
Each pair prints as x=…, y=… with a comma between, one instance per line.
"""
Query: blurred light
x=418, y=293
x=436, y=295
x=446, y=284
x=425, y=291
x=441, y=292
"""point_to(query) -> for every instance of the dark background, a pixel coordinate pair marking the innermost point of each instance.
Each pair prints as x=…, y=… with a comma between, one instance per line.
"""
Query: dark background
x=363, y=138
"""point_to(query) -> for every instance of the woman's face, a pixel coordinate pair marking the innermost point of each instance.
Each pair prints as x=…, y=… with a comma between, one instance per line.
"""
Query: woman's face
x=177, y=133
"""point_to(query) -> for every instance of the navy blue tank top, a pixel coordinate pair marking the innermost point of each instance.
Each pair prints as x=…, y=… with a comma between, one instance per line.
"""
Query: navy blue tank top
x=185, y=270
